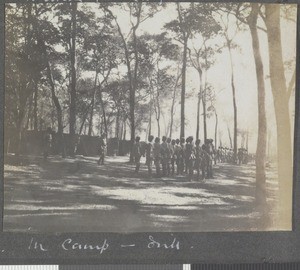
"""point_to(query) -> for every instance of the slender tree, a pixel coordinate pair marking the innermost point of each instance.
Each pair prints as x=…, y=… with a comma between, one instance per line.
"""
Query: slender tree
x=281, y=95
x=260, y=157
x=73, y=77
x=138, y=13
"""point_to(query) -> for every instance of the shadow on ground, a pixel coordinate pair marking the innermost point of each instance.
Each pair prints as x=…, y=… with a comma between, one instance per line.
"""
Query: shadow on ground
x=77, y=195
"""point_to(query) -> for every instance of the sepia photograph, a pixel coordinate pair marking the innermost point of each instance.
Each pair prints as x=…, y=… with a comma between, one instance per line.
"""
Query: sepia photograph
x=149, y=117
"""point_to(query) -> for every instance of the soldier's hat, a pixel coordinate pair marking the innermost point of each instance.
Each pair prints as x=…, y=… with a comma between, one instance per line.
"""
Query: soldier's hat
x=150, y=138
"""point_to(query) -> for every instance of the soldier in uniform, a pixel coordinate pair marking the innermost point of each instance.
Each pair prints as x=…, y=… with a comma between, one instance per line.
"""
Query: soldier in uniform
x=182, y=156
x=136, y=151
x=189, y=157
x=169, y=156
x=177, y=154
x=157, y=155
x=173, y=156
x=102, y=149
x=245, y=160
x=209, y=148
x=240, y=155
x=149, y=154
x=47, y=143
x=199, y=162
x=164, y=150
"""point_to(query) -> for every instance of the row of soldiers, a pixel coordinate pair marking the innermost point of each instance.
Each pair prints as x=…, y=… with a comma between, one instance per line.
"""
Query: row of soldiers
x=226, y=155
x=180, y=153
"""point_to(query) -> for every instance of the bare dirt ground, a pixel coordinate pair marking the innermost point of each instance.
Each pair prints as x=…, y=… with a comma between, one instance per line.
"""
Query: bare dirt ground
x=77, y=195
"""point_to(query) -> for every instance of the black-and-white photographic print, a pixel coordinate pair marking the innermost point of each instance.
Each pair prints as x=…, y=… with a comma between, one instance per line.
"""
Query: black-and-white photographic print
x=149, y=117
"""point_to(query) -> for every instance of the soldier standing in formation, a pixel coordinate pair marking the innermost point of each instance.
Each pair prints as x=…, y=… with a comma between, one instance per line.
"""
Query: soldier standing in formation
x=157, y=155
x=169, y=156
x=240, y=156
x=183, y=153
x=102, y=149
x=177, y=154
x=189, y=157
x=137, y=153
x=199, y=162
x=182, y=156
x=149, y=154
x=164, y=155
x=173, y=156
x=209, y=148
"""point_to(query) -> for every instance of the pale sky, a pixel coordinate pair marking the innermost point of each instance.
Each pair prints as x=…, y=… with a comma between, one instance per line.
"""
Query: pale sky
x=219, y=76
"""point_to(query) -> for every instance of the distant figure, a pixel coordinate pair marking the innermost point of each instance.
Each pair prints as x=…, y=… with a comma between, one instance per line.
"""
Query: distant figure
x=199, y=162
x=149, y=154
x=102, y=149
x=240, y=155
x=177, y=154
x=173, y=156
x=209, y=157
x=136, y=151
x=182, y=156
x=164, y=150
x=245, y=159
x=186, y=155
x=169, y=156
x=47, y=143
x=157, y=155
x=190, y=157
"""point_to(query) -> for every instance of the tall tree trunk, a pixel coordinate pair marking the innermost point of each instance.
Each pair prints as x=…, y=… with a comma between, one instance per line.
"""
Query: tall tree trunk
x=158, y=127
x=158, y=112
x=204, y=114
x=73, y=78
x=281, y=105
x=198, y=116
x=35, y=109
x=183, y=82
x=150, y=119
x=216, y=129
x=20, y=123
x=29, y=112
x=229, y=135
x=199, y=104
x=133, y=91
x=233, y=103
x=117, y=130
x=260, y=157
x=61, y=143
x=269, y=145
x=92, y=106
x=173, y=104
x=103, y=113
x=25, y=82
x=122, y=130
x=125, y=130
x=157, y=117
